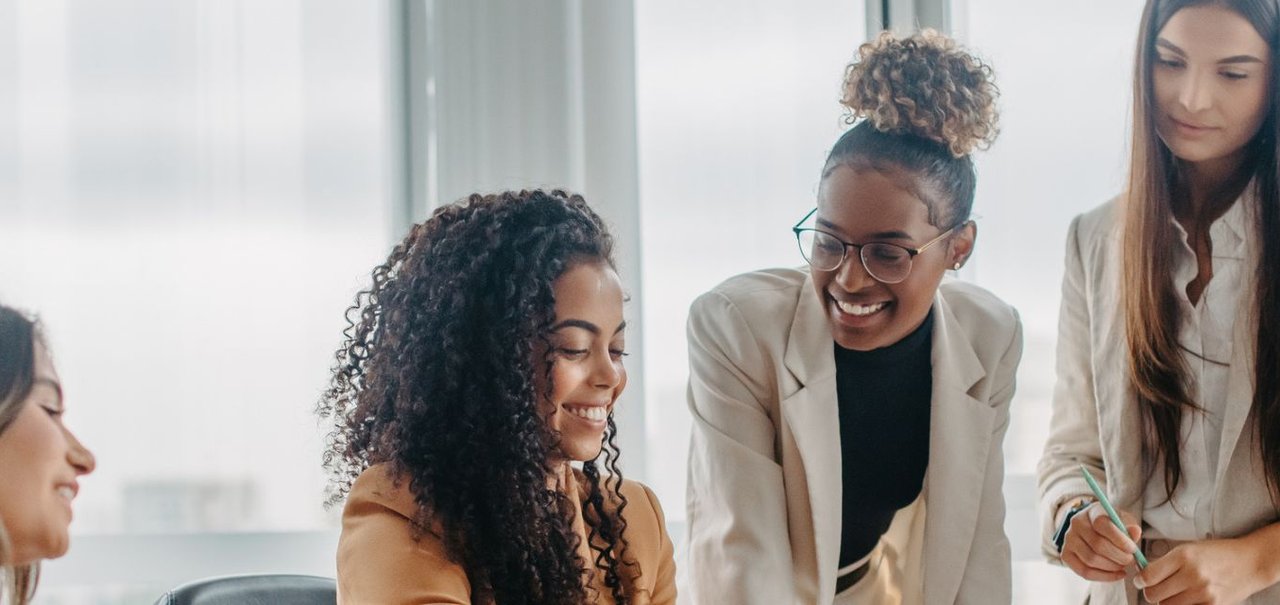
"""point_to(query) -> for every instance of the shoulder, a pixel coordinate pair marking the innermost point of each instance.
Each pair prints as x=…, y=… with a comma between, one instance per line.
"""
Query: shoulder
x=646, y=524
x=977, y=309
x=741, y=305
x=379, y=486
x=768, y=291
x=382, y=555
x=1098, y=225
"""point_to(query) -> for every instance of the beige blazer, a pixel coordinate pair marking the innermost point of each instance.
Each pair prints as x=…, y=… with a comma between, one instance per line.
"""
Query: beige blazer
x=380, y=563
x=1096, y=420
x=764, y=495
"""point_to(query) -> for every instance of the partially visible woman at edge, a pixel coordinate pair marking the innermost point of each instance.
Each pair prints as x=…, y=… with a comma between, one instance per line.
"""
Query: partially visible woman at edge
x=483, y=365
x=40, y=460
x=849, y=416
x=1169, y=338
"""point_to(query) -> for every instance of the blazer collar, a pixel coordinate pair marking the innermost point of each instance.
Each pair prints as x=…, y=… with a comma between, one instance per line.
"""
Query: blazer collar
x=809, y=355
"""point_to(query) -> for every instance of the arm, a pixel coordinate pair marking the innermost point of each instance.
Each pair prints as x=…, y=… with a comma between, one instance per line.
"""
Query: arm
x=378, y=560
x=739, y=550
x=1073, y=434
x=989, y=576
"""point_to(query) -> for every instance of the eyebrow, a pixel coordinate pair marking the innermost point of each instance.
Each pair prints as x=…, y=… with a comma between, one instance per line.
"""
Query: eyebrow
x=57, y=388
x=1173, y=48
x=873, y=236
x=585, y=325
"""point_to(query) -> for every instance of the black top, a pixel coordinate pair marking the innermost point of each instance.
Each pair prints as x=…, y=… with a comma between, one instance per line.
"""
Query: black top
x=884, y=397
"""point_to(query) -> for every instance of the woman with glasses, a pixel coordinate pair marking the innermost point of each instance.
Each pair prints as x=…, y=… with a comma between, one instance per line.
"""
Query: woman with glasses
x=848, y=418
x=1168, y=368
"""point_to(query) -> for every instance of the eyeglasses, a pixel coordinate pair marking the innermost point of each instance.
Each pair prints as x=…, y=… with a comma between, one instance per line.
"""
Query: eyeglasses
x=884, y=262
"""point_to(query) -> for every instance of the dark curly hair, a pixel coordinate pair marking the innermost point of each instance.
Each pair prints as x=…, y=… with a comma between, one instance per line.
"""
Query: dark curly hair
x=435, y=378
x=927, y=105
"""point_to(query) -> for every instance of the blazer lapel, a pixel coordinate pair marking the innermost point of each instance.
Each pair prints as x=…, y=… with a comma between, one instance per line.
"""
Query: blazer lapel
x=1240, y=384
x=959, y=440
x=813, y=416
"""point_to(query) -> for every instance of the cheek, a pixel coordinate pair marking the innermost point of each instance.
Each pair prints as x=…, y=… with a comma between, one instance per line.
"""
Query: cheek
x=622, y=382
x=1165, y=90
x=1254, y=105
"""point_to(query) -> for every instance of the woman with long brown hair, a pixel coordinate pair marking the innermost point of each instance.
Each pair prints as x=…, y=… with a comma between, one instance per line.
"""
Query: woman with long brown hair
x=1169, y=338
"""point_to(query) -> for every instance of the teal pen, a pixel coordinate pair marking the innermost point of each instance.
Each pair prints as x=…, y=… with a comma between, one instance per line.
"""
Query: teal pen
x=1111, y=512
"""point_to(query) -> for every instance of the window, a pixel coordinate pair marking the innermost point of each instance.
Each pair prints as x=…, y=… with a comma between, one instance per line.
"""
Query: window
x=190, y=195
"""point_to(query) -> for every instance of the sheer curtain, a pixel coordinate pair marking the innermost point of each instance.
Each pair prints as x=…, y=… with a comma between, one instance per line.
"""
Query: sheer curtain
x=190, y=195
x=737, y=107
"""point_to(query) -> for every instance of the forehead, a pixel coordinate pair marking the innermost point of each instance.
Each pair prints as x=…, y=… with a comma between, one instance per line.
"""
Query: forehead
x=589, y=290
x=862, y=201
x=1213, y=32
x=44, y=364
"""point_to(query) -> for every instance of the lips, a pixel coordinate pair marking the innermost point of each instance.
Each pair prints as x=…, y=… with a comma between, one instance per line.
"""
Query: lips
x=1189, y=128
x=67, y=490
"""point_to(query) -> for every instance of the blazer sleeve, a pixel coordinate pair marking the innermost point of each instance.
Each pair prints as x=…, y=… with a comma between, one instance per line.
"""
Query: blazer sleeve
x=1073, y=430
x=379, y=562
x=988, y=576
x=739, y=551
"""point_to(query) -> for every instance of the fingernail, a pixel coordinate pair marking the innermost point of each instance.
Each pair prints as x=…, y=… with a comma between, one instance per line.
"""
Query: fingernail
x=1138, y=583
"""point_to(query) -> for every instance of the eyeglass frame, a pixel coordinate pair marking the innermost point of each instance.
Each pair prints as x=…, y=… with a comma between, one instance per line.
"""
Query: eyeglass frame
x=912, y=253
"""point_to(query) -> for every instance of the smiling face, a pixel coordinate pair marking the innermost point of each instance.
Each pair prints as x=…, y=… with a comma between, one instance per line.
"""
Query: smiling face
x=588, y=340
x=40, y=460
x=1210, y=80
x=864, y=205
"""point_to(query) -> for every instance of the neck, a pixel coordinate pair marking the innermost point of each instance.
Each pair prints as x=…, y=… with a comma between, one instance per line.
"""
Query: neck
x=558, y=480
x=1209, y=187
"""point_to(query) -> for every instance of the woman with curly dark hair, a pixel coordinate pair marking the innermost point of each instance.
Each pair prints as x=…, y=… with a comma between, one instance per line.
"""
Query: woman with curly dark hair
x=849, y=416
x=483, y=362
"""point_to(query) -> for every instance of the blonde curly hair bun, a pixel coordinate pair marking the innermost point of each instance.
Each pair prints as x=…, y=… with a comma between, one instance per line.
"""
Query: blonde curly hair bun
x=924, y=85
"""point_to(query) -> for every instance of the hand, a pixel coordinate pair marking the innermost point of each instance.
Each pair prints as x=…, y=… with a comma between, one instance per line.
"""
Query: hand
x=1213, y=572
x=1096, y=549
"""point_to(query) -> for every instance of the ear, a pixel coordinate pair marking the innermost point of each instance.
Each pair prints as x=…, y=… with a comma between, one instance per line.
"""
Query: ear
x=961, y=246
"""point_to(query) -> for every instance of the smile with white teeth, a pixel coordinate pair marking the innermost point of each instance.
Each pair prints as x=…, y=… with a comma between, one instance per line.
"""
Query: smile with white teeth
x=589, y=412
x=66, y=492
x=860, y=310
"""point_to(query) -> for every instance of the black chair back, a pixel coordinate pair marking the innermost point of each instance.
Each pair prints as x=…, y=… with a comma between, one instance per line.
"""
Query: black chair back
x=266, y=589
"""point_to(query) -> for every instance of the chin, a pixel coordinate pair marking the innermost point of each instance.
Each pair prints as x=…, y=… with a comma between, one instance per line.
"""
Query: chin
x=583, y=454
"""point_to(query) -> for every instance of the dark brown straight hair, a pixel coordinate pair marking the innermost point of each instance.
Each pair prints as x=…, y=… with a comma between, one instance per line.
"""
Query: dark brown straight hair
x=1150, y=304
x=18, y=337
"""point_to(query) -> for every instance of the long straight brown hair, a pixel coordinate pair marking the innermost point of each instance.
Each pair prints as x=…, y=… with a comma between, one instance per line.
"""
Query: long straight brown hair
x=1149, y=298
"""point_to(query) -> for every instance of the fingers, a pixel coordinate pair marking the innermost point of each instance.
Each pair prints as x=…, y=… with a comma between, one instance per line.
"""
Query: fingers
x=1091, y=555
x=1102, y=525
x=1161, y=580
x=1088, y=572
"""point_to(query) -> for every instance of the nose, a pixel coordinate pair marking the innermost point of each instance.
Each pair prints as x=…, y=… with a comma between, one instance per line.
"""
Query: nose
x=607, y=372
x=1193, y=93
x=79, y=456
x=851, y=274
